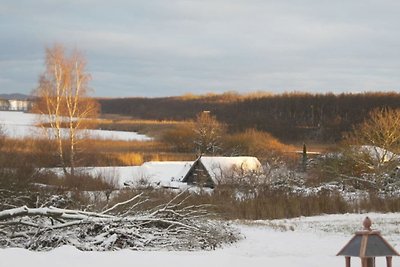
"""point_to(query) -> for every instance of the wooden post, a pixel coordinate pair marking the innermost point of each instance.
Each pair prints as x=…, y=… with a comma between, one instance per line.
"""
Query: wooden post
x=364, y=262
x=368, y=262
x=388, y=261
x=371, y=262
x=348, y=261
x=304, y=160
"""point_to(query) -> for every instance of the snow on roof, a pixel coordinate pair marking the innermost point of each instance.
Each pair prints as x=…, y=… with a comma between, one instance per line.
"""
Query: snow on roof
x=378, y=154
x=164, y=174
x=167, y=173
x=219, y=167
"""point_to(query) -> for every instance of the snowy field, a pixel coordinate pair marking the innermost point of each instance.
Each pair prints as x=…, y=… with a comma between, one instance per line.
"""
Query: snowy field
x=305, y=241
x=19, y=125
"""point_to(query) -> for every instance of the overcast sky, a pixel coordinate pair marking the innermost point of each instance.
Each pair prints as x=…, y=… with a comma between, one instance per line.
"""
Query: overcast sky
x=174, y=47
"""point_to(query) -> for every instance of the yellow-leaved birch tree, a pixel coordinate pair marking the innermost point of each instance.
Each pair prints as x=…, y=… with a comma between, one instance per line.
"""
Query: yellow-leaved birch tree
x=63, y=100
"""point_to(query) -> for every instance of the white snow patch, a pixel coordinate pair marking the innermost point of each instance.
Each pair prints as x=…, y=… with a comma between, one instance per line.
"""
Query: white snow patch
x=313, y=242
x=219, y=167
x=378, y=154
x=21, y=125
x=155, y=174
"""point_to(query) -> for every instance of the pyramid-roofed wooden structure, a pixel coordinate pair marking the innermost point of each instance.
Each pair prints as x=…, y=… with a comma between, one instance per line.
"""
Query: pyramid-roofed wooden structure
x=368, y=244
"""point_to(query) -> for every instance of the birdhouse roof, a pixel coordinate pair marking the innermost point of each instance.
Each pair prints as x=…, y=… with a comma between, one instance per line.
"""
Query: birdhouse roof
x=367, y=244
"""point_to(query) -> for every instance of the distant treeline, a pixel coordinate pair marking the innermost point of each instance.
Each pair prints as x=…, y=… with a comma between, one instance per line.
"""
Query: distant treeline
x=290, y=117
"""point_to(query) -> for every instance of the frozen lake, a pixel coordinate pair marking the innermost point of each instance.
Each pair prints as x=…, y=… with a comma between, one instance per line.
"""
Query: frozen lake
x=20, y=125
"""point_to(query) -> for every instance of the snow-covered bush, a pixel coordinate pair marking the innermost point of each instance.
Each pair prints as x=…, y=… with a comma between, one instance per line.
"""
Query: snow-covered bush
x=362, y=168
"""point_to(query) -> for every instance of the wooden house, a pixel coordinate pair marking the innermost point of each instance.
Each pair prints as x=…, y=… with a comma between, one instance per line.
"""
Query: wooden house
x=204, y=172
x=210, y=171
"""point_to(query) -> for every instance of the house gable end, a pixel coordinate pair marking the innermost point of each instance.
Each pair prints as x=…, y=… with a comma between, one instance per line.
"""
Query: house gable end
x=198, y=175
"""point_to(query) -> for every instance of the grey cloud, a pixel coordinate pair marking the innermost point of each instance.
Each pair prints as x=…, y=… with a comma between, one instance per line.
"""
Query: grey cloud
x=163, y=47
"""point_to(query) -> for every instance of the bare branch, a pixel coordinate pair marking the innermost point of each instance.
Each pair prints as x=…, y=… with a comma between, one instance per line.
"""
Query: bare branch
x=171, y=227
x=122, y=203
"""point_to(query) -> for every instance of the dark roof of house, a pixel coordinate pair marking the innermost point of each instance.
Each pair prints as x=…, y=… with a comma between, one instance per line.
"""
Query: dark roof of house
x=367, y=244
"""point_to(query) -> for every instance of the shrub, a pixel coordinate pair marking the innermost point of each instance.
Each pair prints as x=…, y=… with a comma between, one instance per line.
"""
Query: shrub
x=260, y=144
x=180, y=138
x=131, y=159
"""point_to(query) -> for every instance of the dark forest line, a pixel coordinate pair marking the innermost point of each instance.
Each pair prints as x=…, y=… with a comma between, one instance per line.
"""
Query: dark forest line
x=291, y=117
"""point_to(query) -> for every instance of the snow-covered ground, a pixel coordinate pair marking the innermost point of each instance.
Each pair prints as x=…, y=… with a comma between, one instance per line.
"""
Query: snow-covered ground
x=19, y=125
x=311, y=241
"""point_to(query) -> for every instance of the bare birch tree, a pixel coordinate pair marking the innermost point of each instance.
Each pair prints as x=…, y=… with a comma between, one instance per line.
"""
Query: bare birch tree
x=62, y=96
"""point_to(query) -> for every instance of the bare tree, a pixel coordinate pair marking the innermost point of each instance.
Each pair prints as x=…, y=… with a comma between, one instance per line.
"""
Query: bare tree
x=208, y=133
x=368, y=157
x=381, y=132
x=63, y=98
